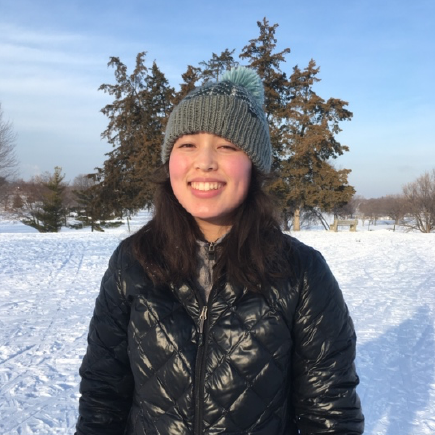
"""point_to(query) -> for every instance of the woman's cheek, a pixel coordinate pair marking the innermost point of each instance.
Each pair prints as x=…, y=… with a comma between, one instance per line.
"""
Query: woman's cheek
x=176, y=166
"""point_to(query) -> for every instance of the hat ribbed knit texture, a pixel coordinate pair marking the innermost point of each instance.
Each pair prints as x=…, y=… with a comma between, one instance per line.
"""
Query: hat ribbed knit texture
x=226, y=109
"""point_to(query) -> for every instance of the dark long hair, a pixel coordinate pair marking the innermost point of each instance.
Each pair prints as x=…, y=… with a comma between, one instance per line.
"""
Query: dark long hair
x=250, y=255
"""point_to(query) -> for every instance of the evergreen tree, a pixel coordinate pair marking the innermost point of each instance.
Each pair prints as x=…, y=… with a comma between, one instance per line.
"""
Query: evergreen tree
x=261, y=56
x=311, y=125
x=217, y=65
x=91, y=211
x=190, y=78
x=303, y=128
x=49, y=217
x=137, y=117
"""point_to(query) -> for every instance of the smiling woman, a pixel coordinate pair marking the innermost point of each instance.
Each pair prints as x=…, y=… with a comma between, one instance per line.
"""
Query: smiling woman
x=209, y=319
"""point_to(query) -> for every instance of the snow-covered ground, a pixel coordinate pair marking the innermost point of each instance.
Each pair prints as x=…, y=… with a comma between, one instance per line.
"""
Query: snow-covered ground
x=48, y=284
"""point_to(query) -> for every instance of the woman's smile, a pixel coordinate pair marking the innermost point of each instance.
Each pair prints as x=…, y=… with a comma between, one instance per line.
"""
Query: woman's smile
x=206, y=185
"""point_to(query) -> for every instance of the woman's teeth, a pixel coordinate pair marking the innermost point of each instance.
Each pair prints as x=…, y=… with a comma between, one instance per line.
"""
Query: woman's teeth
x=206, y=185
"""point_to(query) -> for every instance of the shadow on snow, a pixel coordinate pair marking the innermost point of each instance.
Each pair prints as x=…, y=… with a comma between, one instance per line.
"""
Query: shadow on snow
x=397, y=370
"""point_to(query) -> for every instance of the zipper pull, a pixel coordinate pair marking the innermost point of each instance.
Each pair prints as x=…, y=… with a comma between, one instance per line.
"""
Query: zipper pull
x=202, y=318
x=211, y=251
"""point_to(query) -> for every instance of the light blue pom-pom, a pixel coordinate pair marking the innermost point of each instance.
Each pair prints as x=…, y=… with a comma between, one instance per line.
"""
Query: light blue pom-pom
x=247, y=78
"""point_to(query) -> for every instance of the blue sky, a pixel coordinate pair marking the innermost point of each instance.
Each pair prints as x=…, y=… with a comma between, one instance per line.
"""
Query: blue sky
x=379, y=55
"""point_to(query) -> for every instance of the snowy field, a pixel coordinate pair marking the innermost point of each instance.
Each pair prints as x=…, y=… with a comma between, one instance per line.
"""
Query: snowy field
x=49, y=283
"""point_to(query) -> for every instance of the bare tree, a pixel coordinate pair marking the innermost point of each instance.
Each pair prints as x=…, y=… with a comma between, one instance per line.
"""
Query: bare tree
x=420, y=198
x=350, y=209
x=372, y=209
x=8, y=160
x=49, y=215
x=28, y=197
x=394, y=207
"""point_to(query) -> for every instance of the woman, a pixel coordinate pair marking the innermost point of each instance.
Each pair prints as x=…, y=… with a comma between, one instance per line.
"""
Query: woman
x=209, y=319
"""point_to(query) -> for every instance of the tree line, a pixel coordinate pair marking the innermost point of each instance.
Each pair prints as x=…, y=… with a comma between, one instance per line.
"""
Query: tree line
x=303, y=129
x=414, y=209
x=47, y=203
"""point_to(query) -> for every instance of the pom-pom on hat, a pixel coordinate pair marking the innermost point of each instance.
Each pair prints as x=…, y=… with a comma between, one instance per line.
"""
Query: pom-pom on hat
x=231, y=108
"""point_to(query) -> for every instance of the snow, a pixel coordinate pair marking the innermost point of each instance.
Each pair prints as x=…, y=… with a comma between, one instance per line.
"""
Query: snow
x=49, y=283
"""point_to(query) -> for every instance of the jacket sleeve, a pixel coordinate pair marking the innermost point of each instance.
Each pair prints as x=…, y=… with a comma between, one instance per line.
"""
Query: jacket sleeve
x=107, y=385
x=324, y=376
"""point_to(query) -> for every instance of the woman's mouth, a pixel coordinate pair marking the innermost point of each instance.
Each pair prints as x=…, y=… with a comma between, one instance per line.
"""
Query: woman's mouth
x=206, y=185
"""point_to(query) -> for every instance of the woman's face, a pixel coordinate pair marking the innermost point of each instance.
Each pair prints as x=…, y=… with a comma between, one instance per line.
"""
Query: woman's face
x=210, y=177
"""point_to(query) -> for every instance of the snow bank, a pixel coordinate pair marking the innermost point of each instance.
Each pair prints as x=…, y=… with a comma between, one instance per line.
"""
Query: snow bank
x=49, y=283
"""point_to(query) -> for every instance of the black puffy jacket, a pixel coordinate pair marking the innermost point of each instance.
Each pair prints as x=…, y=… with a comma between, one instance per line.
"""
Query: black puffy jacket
x=159, y=362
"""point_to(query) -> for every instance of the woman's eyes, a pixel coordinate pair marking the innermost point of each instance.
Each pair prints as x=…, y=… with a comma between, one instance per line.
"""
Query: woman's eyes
x=225, y=147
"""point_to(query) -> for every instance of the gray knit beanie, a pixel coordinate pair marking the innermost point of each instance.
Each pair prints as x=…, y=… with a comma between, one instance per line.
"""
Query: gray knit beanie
x=231, y=108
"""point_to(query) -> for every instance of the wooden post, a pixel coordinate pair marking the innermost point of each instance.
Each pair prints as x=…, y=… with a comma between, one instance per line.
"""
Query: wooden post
x=297, y=220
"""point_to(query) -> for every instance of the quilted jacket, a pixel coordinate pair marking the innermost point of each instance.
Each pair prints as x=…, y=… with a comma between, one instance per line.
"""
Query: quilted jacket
x=159, y=361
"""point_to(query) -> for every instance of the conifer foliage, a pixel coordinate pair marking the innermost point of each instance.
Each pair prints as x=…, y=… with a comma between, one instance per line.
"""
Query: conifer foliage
x=190, y=79
x=217, y=65
x=309, y=143
x=137, y=116
x=50, y=215
x=90, y=210
x=303, y=129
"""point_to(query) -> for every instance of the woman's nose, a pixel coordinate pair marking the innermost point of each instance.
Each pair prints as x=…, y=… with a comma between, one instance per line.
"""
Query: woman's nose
x=206, y=159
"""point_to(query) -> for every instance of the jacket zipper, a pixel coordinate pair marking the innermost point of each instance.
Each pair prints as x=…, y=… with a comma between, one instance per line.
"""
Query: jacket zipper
x=202, y=319
x=200, y=371
x=203, y=330
x=211, y=251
